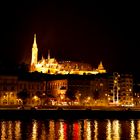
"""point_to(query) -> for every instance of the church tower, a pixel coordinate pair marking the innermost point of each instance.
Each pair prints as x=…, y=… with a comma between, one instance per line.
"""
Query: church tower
x=49, y=54
x=34, y=58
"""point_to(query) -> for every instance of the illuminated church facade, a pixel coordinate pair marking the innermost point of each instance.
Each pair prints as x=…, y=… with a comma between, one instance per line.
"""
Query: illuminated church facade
x=52, y=66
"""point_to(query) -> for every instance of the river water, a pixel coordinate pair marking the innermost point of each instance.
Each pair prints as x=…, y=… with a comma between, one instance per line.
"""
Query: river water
x=60, y=129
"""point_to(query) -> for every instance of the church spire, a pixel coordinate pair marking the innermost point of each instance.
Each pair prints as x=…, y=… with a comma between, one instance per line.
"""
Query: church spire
x=48, y=54
x=34, y=58
x=34, y=44
x=101, y=68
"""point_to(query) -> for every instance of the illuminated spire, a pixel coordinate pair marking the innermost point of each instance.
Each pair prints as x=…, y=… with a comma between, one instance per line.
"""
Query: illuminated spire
x=100, y=67
x=42, y=57
x=48, y=54
x=34, y=44
x=34, y=58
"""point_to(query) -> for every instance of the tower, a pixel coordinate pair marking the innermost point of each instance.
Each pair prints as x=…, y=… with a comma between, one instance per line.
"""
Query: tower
x=116, y=87
x=101, y=68
x=34, y=58
x=48, y=54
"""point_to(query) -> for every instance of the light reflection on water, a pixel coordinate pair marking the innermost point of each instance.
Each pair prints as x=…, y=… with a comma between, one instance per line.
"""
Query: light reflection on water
x=51, y=130
x=70, y=129
x=138, y=129
x=34, y=130
x=108, y=130
x=116, y=130
x=95, y=130
x=132, y=130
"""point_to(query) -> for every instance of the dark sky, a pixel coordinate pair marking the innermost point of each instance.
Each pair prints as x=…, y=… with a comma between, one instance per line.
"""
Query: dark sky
x=80, y=31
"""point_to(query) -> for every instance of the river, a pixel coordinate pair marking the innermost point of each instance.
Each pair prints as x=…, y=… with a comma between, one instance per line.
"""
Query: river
x=60, y=129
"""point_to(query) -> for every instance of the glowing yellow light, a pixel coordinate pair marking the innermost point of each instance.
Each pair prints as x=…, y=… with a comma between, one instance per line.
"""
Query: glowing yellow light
x=17, y=130
x=108, y=130
x=34, y=130
x=132, y=130
x=138, y=129
x=95, y=130
x=87, y=131
x=3, y=130
x=35, y=97
x=116, y=129
x=88, y=98
x=51, y=66
x=51, y=130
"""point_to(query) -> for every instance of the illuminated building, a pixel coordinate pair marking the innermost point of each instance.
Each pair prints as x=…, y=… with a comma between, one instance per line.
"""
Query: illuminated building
x=52, y=66
x=136, y=95
x=101, y=68
x=102, y=90
x=57, y=88
x=121, y=89
x=126, y=89
x=11, y=85
x=8, y=90
x=80, y=88
x=99, y=88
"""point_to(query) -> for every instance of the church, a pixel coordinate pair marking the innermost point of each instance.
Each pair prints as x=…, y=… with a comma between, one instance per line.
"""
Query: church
x=52, y=66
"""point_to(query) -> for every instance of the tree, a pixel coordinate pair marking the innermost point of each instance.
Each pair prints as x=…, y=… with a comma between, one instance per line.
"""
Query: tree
x=23, y=95
x=41, y=96
x=70, y=94
x=96, y=94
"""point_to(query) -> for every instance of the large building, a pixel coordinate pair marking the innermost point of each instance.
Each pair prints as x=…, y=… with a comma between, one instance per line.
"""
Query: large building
x=11, y=85
x=52, y=66
x=105, y=89
x=120, y=90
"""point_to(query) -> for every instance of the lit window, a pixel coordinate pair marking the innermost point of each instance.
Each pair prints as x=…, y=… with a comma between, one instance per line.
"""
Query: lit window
x=101, y=84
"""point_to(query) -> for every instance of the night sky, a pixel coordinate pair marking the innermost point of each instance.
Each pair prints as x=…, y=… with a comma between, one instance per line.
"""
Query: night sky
x=81, y=31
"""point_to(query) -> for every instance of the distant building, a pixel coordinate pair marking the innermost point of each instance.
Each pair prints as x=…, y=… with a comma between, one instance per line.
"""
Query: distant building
x=121, y=89
x=52, y=66
x=57, y=88
x=136, y=94
x=101, y=89
x=81, y=88
x=104, y=89
x=10, y=86
x=126, y=89
x=8, y=90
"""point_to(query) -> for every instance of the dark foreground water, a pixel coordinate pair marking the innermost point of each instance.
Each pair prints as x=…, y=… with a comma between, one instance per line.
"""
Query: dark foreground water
x=82, y=129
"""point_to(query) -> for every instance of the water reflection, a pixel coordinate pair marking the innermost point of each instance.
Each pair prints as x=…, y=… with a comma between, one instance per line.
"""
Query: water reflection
x=76, y=135
x=95, y=130
x=132, y=130
x=17, y=130
x=116, y=130
x=34, y=130
x=87, y=130
x=138, y=129
x=51, y=130
x=66, y=129
x=61, y=131
x=108, y=130
x=3, y=131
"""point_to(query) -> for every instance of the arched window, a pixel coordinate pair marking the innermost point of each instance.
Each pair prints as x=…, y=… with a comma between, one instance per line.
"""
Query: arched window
x=5, y=102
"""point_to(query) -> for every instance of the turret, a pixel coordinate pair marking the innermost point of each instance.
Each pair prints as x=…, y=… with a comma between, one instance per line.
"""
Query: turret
x=48, y=54
x=34, y=58
x=101, y=68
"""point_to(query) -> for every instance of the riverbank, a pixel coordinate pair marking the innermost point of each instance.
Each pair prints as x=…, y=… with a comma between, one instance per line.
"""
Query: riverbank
x=69, y=114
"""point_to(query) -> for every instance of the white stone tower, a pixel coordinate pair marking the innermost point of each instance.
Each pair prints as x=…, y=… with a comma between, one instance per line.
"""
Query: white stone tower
x=34, y=58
